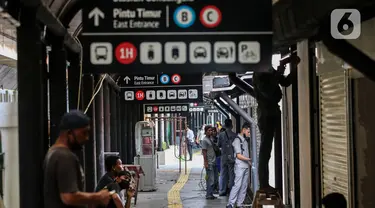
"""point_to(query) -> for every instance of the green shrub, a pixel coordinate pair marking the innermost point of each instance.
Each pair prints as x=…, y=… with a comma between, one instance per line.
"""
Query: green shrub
x=164, y=146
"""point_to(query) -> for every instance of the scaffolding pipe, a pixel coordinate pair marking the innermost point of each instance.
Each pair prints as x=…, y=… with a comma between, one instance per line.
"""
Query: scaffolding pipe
x=46, y=16
x=237, y=108
x=185, y=152
x=254, y=158
x=247, y=88
x=179, y=155
x=241, y=84
x=226, y=107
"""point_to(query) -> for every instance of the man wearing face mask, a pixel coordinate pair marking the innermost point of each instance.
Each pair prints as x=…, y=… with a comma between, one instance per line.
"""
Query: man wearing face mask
x=241, y=168
x=113, y=166
x=63, y=174
x=122, y=181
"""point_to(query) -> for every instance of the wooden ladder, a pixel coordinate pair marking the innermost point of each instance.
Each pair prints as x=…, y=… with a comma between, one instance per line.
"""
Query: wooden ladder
x=267, y=198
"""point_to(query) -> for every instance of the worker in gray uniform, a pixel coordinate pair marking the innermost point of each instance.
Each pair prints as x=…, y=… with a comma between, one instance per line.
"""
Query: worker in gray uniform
x=241, y=168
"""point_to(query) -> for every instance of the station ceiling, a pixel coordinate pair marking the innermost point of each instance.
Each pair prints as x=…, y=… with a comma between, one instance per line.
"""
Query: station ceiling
x=292, y=20
x=8, y=77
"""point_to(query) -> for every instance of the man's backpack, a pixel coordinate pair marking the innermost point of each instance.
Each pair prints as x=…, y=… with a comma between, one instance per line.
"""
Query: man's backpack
x=228, y=147
x=241, y=145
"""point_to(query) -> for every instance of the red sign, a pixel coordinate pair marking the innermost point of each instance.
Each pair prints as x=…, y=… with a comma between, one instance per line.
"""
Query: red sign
x=176, y=79
x=126, y=53
x=210, y=16
x=139, y=95
x=155, y=108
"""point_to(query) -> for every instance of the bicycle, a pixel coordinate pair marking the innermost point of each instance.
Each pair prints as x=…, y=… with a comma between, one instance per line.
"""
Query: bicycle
x=180, y=153
x=202, y=183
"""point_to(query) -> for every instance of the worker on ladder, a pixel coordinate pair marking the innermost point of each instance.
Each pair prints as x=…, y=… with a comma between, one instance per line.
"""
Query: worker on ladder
x=268, y=95
x=241, y=168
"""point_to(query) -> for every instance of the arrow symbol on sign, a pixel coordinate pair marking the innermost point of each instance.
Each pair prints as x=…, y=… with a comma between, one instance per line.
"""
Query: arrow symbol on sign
x=96, y=14
x=127, y=79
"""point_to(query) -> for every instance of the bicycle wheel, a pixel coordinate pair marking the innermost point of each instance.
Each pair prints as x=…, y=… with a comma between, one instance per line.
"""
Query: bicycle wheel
x=203, y=179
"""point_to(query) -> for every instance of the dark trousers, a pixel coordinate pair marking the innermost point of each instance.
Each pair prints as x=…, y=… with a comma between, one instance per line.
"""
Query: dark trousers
x=212, y=177
x=226, y=176
x=190, y=149
x=268, y=121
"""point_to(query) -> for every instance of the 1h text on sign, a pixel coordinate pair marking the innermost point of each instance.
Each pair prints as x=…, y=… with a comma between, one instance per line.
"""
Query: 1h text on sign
x=188, y=36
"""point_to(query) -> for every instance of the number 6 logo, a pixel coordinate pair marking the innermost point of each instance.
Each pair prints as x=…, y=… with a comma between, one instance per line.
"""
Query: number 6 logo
x=345, y=24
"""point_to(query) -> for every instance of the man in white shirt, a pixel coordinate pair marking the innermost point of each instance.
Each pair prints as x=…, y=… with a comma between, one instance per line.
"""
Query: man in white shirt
x=189, y=142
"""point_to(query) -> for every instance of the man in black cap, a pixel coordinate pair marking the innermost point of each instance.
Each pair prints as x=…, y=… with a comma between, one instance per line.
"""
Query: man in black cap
x=63, y=174
x=227, y=158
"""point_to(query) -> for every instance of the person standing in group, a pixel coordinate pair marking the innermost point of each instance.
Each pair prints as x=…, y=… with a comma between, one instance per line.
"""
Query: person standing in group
x=218, y=126
x=241, y=168
x=209, y=157
x=63, y=174
x=215, y=140
x=189, y=142
x=226, y=138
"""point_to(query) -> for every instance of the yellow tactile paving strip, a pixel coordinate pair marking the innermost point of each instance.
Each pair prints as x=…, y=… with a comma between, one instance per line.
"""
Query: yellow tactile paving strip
x=174, y=198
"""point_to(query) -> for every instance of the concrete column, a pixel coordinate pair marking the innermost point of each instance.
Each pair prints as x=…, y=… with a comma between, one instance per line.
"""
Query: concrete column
x=113, y=120
x=304, y=115
x=119, y=124
x=167, y=125
x=162, y=129
x=90, y=147
x=107, y=117
x=57, y=86
x=9, y=140
x=99, y=113
x=32, y=104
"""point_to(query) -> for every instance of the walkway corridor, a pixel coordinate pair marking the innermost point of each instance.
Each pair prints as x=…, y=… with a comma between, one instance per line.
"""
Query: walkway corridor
x=179, y=191
x=192, y=195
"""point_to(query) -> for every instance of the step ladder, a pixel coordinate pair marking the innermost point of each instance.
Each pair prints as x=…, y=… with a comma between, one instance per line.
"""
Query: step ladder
x=267, y=198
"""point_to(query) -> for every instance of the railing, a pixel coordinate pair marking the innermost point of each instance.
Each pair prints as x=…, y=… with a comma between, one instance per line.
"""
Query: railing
x=8, y=96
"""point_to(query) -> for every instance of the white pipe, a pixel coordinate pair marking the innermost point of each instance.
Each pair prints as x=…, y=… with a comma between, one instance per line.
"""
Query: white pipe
x=162, y=128
x=9, y=139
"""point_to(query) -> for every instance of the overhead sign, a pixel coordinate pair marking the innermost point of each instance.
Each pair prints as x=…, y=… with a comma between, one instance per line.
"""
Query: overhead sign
x=185, y=36
x=197, y=109
x=166, y=108
x=163, y=94
x=164, y=88
x=159, y=80
x=212, y=111
x=210, y=16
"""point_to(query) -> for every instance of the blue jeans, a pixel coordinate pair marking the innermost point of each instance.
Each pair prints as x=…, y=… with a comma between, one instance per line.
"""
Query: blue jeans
x=212, y=177
x=226, y=177
x=218, y=163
